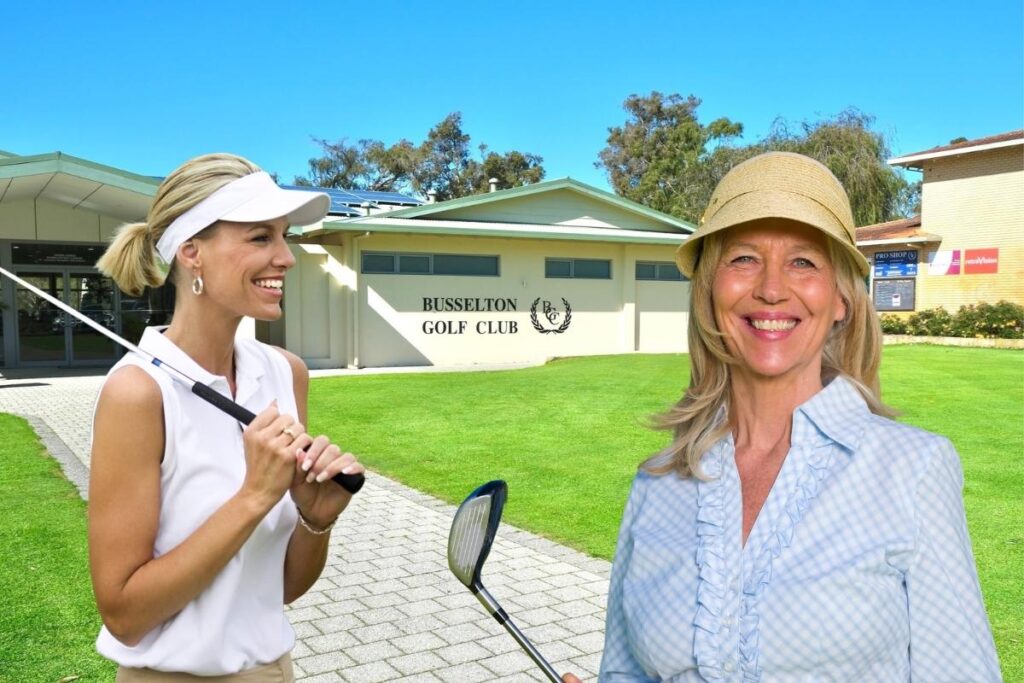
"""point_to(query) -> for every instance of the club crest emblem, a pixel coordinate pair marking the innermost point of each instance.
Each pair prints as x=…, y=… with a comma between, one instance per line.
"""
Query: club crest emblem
x=554, y=320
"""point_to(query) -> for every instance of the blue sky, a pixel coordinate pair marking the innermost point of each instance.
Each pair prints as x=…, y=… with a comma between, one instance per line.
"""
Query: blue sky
x=144, y=86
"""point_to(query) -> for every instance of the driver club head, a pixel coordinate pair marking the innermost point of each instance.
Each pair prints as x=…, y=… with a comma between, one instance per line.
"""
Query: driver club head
x=472, y=533
x=469, y=542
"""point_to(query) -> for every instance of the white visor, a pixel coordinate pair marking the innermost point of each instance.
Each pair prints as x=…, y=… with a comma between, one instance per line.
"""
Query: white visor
x=250, y=199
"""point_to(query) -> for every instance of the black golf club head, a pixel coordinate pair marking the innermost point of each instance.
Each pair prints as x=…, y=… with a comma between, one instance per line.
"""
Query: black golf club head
x=469, y=542
x=472, y=533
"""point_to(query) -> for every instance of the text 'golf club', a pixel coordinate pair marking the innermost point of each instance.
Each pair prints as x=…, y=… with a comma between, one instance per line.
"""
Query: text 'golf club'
x=469, y=542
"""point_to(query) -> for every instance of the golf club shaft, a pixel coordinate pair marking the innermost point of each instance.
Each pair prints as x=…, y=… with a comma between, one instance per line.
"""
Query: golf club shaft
x=499, y=614
x=350, y=482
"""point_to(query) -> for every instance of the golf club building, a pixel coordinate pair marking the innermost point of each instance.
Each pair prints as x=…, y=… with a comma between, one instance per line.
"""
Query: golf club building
x=556, y=268
x=552, y=269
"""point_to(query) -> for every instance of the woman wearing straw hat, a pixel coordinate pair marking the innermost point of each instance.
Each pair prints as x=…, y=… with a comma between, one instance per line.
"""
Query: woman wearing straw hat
x=200, y=532
x=791, y=531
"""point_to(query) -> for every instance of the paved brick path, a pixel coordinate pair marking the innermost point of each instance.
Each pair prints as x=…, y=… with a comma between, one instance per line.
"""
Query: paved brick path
x=387, y=607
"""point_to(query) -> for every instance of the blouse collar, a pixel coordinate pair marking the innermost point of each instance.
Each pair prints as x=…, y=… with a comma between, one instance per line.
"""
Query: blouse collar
x=248, y=369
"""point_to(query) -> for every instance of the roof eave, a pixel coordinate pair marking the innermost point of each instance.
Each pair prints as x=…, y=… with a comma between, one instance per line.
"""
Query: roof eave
x=913, y=160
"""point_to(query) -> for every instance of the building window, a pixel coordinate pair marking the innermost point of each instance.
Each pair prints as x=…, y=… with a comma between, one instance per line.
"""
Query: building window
x=578, y=268
x=429, y=264
x=658, y=270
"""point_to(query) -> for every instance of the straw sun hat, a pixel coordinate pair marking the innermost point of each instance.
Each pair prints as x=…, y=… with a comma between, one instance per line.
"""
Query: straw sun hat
x=777, y=185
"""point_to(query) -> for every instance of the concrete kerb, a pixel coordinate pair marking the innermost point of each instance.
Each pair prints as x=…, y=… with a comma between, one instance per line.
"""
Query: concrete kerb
x=386, y=607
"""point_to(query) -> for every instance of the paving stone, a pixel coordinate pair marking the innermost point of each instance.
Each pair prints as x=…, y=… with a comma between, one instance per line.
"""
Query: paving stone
x=321, y=644
x=462, y=633
x=370, y=634
x=462, y=653
x=372, y=672
x=469, y=672
x=499, y=644
x=372, y=652
x=417, y=663
x=318, y=664
x=329, y=677
x=418, y=642
x=588, y=643
x=508, y=663
x=420, y=607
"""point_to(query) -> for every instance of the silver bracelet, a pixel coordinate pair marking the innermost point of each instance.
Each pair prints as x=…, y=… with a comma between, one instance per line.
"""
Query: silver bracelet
x=312, y=529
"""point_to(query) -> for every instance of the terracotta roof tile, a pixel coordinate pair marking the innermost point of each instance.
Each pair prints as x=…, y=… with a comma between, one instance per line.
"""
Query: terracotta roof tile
x=898, y=229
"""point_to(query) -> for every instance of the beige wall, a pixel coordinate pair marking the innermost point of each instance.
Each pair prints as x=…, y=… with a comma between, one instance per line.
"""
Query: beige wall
x=38, y=219
x=388, y=325
x=971, y=201
x=974, y=201
x=315, y=307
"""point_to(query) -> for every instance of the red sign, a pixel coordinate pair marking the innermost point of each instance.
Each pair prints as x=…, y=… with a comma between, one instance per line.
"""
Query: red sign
x=981, y=261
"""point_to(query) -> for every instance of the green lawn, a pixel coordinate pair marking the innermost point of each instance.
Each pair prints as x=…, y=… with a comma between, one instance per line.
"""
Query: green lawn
x=48, y=622
x=568, y=436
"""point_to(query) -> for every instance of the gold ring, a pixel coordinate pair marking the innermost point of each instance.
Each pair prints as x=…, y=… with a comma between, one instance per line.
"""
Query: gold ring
x=289, y=432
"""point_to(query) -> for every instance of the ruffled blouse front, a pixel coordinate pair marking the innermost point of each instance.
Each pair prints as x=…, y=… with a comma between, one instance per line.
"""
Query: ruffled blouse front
x=819, y=590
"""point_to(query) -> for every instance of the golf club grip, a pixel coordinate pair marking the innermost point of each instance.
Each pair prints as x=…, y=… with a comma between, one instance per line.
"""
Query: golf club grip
x=350, y=482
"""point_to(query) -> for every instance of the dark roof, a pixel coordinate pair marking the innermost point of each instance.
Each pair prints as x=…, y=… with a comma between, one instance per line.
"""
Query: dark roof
x=977, y=142
x=898, y=229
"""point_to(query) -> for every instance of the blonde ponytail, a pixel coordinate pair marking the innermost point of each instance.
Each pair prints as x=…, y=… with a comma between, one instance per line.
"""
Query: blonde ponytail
x=131, y=260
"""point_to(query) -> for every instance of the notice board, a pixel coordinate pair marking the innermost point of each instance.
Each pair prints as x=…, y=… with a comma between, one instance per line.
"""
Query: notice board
x=896, y=294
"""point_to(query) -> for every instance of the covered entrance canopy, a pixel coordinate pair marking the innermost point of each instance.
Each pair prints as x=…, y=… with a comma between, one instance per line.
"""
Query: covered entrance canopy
x=57, y=212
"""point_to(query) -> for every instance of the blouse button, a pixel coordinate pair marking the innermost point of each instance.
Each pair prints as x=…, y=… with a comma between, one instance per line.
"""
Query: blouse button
x=729, y=667
x=728, y=622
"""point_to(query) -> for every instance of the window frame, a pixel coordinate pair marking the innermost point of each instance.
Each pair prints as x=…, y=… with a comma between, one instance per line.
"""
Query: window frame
x=397, y=256
x=572, y=268
x=657, y=270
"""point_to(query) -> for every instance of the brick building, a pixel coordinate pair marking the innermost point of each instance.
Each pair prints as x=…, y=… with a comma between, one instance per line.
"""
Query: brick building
x=967, y=246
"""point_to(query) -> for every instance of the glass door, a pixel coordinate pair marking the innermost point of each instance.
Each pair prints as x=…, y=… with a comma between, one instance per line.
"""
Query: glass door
x=42, y=336
x=48, y=336
x=93, y=295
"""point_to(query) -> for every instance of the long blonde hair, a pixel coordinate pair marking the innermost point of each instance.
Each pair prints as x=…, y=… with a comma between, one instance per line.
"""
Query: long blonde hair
x=853, y=349
x=131, y=258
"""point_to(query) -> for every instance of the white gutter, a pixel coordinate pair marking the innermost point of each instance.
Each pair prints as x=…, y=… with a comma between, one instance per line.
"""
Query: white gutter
x=901, y=161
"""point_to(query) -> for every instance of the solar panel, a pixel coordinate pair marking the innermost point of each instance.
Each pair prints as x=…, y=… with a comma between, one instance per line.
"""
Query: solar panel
x=347, y=202
x=387, y=197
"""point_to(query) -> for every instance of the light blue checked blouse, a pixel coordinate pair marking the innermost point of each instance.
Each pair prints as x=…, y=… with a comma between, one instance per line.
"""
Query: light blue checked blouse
x=858, y=568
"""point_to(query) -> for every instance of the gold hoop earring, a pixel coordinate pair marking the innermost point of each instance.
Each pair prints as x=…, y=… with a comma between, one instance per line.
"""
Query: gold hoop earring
x=197, y=285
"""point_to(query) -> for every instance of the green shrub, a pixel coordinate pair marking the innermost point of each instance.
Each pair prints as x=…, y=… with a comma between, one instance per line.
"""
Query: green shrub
x=892, y=324
x=934, y=322
x=1002, y=320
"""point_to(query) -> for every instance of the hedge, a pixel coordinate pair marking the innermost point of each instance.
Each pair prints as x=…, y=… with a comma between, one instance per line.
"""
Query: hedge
x=1002, y=320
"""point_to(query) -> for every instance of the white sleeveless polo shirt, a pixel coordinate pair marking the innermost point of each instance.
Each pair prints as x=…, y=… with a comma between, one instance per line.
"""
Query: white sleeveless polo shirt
x=238, y=621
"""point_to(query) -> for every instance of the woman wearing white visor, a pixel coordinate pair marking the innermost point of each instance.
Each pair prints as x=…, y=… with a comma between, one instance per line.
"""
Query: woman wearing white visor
x=200, y=532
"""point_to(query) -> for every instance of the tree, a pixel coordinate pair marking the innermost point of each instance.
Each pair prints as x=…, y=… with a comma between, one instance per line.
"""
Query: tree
x=443, y=163
x=366, y=165
x=857, y=156
x=658, y=157
x=511, y=169
x=665, y=158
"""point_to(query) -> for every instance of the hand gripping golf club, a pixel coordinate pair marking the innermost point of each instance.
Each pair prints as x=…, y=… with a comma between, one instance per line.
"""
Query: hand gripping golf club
x=350, y=482
x=469, y=542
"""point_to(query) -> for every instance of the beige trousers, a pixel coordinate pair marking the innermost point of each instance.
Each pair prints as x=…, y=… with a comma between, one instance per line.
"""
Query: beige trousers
x=275, y=672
